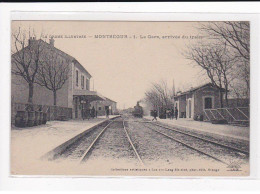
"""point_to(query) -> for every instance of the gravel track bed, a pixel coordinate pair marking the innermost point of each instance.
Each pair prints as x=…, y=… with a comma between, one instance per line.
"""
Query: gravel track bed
x=229, y=141
x=77, y=149
x=154, y=148
x=224, y=154
x=113, y=145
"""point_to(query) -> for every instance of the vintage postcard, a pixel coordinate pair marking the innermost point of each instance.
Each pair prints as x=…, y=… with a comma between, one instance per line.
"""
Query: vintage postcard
x=130, y=98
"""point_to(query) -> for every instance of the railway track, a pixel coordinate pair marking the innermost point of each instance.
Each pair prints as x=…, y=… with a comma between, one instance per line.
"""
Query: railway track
x=87, y=152
x=131, y=142
x=190, y=144
x=158, y=151
x=210, y=148
x=191, y=147
x=204, y=139
x=141, y=143
x=82, y=150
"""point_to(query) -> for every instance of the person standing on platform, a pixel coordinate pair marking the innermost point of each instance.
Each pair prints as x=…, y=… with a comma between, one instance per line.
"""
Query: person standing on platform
x=176, y=113
x=172, y=114
x=83, y=113
x=154, y=115
x=93, y=112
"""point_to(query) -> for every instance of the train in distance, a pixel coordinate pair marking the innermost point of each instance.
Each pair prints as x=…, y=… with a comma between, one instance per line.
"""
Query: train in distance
x=138, y=111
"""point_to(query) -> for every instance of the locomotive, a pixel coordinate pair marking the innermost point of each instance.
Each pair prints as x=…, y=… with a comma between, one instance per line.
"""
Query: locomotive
x=138, y=111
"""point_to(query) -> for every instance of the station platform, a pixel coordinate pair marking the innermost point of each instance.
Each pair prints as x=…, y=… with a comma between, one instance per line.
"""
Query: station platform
x=28, y=145
x=236, y=132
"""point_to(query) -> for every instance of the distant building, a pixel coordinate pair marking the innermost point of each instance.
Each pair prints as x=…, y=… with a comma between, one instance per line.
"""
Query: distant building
x=74, y=94
x=194, y=101
x=102, y=106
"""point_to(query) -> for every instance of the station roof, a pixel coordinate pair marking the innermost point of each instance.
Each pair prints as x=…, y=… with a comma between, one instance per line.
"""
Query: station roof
x=110, y=100
x=197, y=88
x=89, y=95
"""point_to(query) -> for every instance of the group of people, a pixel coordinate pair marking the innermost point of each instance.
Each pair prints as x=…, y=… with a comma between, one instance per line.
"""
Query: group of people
x=89, y=113
x=173, y=113
x=92, y=113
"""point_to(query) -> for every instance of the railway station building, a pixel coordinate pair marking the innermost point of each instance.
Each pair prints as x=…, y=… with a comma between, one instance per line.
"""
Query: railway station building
x=195, y=101
x=75, y=94
x=102, y=105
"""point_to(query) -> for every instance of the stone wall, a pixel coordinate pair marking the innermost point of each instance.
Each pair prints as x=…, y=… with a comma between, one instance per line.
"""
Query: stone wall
x=199, y=96
x=41, y=95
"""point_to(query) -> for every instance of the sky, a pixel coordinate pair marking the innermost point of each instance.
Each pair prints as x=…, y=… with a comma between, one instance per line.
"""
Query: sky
x=123, y=69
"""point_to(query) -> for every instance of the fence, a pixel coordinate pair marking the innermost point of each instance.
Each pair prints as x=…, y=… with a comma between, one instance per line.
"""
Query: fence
x=53, y=112
x=232, y=115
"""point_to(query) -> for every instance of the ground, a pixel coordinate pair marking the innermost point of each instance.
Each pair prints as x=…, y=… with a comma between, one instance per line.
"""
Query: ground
x=129, y=146
x=28, y=145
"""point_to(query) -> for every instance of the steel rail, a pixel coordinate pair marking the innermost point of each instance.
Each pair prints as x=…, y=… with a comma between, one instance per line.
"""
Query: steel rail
x=130, y=141
x=201, y=152
x=84, y=156
x=206, y=140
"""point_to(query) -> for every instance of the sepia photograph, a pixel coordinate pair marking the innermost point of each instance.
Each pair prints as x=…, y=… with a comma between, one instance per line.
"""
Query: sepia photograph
x=130, y=98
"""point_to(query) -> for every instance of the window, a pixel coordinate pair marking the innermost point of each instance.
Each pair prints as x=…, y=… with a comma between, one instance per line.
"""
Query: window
x=77, y=77
x=82, y=81
x=87, y=84
x=208, y=103
x=99, y=108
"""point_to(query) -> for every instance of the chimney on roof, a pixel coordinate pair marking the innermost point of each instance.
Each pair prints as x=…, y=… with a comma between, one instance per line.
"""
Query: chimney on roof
x=31, y=39
x=52, y=41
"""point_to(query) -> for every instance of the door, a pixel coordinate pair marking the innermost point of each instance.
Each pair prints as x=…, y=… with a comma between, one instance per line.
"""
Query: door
x=107, y=109
x=208, y=103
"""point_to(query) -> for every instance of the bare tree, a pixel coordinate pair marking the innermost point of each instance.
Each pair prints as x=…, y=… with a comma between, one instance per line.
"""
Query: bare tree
x=216, y=62
x=236, y=35
x=159, y=95
x=26, y=55
x=153, y=98
x=238, y=89
x=53, y=73
x=224, y=65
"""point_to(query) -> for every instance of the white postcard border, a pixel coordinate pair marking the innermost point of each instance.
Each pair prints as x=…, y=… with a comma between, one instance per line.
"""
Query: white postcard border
x=67, y=183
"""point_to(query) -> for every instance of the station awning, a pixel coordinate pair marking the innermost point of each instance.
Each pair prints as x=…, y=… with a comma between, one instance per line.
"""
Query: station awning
x=88, y=95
